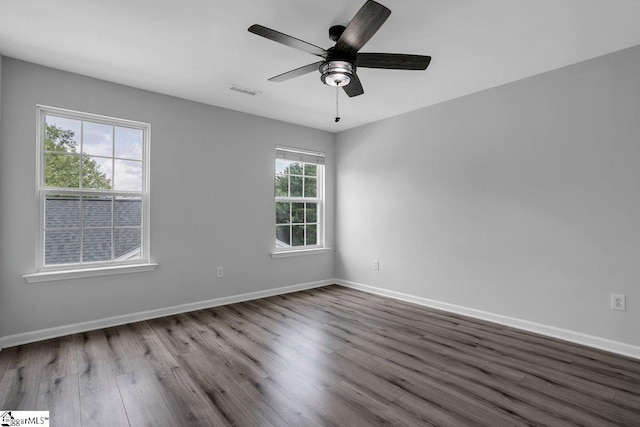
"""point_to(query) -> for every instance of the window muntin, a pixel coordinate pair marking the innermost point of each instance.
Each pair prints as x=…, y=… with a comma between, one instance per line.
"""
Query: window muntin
x=93, y=190
x=298, y=200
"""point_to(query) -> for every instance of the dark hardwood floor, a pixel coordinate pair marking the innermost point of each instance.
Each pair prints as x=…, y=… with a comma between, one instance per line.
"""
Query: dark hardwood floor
x=328, y=356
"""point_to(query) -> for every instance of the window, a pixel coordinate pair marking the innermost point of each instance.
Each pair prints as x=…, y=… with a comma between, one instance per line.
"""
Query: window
x=299, y=182
x=93, y=190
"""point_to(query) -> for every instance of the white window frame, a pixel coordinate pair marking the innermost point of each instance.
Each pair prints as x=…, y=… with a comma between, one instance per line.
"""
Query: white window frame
x=303, y=156
x=87, y=269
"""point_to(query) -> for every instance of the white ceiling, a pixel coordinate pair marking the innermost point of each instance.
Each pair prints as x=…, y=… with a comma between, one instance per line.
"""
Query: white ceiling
x=196, y=49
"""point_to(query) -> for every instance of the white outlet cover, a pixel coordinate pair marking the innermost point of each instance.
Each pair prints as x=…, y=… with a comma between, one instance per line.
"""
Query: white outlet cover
x=618, y=302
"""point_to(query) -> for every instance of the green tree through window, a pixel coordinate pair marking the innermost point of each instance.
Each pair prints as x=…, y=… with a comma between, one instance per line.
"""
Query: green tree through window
x=297, y=202
x=62, y=165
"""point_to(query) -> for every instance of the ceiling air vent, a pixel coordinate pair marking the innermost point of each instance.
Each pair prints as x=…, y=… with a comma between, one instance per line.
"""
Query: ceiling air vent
x=244, y=90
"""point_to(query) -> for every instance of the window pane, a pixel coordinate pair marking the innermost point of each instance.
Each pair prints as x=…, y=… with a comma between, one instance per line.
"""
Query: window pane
x=312, y=212
x=282, y=185
x=96, y=245
x=310, y=169
x=62, y=170
x=62, y=134
x=128, y=143
x=281, y=166
x=62, y=212
x=97, y=172
x=297, y=213
x=96, y=211
x=97, y=139
x=312, y=235
x=282, y=213
x=283, y=236
x=297, y=235
x=128, y=243
x=310, y=187
x=295, y=168
x=296, y=186
x=61, y=247
x=128, y=212
x=127, y=175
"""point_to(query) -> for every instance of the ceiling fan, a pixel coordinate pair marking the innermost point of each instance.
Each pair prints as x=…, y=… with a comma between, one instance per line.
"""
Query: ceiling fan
x=340, y=62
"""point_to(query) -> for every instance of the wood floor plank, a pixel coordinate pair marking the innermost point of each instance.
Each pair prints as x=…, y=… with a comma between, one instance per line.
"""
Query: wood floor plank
x=229, y=400
x=60, y=360
x=320, y=357
x=187, y=399
x=127, y=348
x=304, y=323
x=627, y=405
x=261, y=358
x=244, y=400
x=228, y=358
x=24, y=355
x=597, y=409
x=322, y=405
x=259, y=353
x=152, y=353
x=94, y=358
x=361, y=401
x=369, y=381
x=19, y=388
x=143, y=400
x=7, y=359
x=243, y=322
x=485, y=402
x=288, y=411
x=96, y=375
x=552, y=375
x=171, y=331
x=427, y=413
x=61, y=397
x=103, y=408
x=287, y=327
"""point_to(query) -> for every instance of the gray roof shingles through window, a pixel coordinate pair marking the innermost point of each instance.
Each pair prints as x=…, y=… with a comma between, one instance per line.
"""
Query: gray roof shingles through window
x=62, y=221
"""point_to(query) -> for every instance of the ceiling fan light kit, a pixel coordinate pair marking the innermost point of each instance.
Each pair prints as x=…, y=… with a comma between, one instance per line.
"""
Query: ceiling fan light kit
x=337, y=73
x=339, y=62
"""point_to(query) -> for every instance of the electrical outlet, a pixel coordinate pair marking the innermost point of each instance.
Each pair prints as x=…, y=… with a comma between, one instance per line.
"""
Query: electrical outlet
x=376, y=264
x=618, y=302
x=220, y=272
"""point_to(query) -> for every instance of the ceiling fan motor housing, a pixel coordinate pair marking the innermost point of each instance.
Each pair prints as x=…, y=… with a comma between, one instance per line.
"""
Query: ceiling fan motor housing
x=337, y=72
x=336, y=31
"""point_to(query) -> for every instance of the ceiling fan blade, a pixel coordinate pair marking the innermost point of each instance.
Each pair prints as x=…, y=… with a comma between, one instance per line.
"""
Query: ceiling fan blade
x=362, y=27
x=287, y=40
x=392, y=61
x=354, y=88
x=297, y=72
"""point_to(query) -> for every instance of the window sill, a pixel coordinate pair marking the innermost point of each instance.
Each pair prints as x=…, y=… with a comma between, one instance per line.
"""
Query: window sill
x=285, y=254
x=49, y=276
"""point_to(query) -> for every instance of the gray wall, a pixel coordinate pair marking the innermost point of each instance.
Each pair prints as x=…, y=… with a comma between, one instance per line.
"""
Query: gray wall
x=521, y=200
x=2, y=291
x=211, y=202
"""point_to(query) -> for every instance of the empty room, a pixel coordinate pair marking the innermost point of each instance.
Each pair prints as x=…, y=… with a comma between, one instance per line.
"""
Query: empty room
x=305, y=213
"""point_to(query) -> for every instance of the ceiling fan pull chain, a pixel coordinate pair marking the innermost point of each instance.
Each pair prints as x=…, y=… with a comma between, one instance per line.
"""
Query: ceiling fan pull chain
x=337, y=115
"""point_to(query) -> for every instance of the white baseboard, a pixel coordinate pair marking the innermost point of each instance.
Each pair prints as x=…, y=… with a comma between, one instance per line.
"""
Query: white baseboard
x=551, y=331
x=58, y=331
